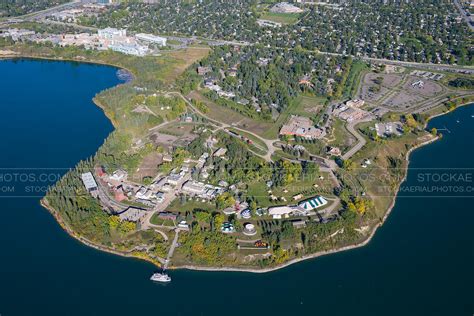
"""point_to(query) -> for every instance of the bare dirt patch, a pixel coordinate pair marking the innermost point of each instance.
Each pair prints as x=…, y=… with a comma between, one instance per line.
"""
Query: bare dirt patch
x=149, y=165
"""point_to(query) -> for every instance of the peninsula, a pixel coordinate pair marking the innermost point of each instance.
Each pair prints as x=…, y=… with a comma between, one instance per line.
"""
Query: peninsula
x=238, y=153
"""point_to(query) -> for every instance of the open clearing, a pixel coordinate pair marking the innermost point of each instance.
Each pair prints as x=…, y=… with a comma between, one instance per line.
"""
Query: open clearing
x=149, y=166
x=283, y=18
x=228, y=116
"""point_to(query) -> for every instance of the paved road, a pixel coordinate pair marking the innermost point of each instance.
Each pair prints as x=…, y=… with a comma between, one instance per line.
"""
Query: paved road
x=160, y=207
x=43, y=13
x=221, y=125
x=464, y=15
x=360, y=139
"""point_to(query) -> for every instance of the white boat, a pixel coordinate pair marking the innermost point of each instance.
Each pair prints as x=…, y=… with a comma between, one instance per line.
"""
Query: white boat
x=160, y=277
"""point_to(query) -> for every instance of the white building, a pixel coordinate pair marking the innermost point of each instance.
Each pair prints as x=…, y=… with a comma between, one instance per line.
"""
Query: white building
x=119, y=175
x=89, y=181
x=279, y=212
x=111, y=32
x=129, y=49
x=149, y=38
x=194, y=188
x=285, y=7
x=144, y=194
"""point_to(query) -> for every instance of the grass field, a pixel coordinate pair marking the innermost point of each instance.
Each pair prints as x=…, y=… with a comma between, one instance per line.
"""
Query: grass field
x=304, y=185
x=283, y=18
x=340, y=136
x=231, y=117
x=158, y=221
x=180, y=60
x=354, y=79
x=189, y=206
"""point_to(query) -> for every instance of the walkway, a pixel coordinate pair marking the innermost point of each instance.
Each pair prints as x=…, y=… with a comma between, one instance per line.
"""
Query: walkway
x=171, y=251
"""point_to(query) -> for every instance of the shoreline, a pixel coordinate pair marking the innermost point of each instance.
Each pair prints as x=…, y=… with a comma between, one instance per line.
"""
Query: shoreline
x=321, y=253
x=99, y=247
x=86, y=241
x=349, y=247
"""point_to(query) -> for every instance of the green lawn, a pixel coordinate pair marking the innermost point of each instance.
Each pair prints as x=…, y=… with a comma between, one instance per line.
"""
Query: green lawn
x=189, y=206
x=158, y=221
x=283, y=18
x=304, y=185
x=340, y=135
x=354, y=79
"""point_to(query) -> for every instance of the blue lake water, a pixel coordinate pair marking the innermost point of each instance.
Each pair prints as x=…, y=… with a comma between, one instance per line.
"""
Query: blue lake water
x=419, y=263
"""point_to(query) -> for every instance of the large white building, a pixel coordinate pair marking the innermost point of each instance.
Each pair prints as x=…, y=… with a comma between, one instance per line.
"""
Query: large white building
x=129, y=49
x=111, y=32
x=89, y=181
x=150, y=38
x=285, y=7
x=279, y=212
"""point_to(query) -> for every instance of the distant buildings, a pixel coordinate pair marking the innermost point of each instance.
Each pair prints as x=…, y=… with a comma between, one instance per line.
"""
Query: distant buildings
x=201, y=190
x=203, y=70
x=301, y=127
x=152, y=39
x=16, y=34
x=279, y=212
x=285, y=7
x=108, y=38
x=118, y=175
x=267, y=23
x=220, y=152
x=334, y=151
x=129, y=49
x=111, y=33
x=144, y=194
x=355, y=103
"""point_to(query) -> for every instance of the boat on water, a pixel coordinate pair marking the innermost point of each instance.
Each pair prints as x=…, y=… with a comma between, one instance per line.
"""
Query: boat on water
x=160, y=277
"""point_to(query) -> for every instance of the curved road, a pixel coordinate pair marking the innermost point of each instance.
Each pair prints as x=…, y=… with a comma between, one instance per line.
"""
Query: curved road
x=220, y=125
x=361, y=140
